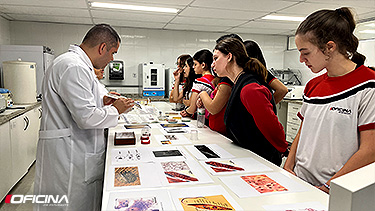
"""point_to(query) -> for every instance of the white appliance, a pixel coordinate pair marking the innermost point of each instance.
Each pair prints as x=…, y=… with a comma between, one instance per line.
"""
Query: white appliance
x=41, y=55
x=294, y=92
x=152, y=79
x=20, y=79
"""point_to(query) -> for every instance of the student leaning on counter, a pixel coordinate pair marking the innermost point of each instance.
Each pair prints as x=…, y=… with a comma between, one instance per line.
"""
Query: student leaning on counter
x=337, y=133
x=250, y=114
x=202, y=66
x=176, y=95
x=71, y=147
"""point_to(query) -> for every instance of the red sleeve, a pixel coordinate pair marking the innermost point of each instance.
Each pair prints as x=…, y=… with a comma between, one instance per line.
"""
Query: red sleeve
x=256, y=99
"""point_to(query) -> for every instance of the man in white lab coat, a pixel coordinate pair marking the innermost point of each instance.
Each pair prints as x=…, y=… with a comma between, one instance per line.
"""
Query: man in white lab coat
x=71, y=147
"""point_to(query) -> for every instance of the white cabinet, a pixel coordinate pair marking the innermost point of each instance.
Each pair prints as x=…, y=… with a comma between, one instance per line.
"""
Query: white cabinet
x=5, y=160
x=293, y=121
x=18, y=143
x=282, y=113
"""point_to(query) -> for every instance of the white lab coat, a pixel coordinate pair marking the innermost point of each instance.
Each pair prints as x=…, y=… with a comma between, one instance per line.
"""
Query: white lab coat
x=102, y=90
x=71, y=147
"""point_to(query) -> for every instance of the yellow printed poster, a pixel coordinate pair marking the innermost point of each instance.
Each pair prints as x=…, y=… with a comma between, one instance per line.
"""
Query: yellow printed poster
x=217, y=202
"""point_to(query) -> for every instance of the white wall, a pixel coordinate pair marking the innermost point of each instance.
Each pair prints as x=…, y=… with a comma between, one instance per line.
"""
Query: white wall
x=4, y=31
x=140, y=45
x=367, y=48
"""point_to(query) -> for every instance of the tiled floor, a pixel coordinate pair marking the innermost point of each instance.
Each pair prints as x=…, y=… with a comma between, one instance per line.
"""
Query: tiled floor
x=24, y=187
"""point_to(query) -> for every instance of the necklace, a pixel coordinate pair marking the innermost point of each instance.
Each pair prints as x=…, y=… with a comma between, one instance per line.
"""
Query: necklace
x=239, y=74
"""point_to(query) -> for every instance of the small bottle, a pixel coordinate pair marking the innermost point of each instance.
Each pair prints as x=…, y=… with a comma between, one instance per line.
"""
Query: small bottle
x=145, y=135
x=200, y=117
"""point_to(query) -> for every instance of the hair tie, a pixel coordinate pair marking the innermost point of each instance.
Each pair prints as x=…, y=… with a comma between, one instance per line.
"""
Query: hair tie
x=339, y=11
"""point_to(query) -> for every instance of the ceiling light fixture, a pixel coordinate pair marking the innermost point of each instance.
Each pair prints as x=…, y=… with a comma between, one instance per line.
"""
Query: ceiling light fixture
x=368, y=31
x=133, y=7
x=283, y=18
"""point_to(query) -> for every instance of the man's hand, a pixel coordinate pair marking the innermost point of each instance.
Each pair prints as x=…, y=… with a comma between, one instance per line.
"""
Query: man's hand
x=123, y=104
x=108, y=100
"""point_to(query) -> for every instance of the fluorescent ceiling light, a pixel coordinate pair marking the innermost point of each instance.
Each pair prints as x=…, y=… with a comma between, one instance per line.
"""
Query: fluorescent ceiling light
x=133, y=7
x=283, y=18
x=369, y=31
x=371, y=25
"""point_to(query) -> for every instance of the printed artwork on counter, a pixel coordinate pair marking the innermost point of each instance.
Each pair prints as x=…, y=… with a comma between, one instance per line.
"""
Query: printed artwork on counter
x=140, y=126
x=178, y=171
x=130, y=155
x=127, y=176
x=263, y=184
x=206, y=151
x=224, y=166
x=174, y=125
x=217, y=202
x=304, y=206
x=172, y=139
x=139, y=204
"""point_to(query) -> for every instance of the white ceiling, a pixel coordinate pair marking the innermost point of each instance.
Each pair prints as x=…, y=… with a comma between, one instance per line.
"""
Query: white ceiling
x=229, y=16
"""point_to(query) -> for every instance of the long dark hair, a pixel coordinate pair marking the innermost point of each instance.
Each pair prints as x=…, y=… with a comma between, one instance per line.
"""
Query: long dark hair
x=237, y=49
x=190, y=79
x=332, y=25
x=204, y=56
x=183, y=59
x=253, y=50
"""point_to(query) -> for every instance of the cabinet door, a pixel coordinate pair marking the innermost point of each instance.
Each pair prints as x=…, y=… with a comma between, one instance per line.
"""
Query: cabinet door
x=282, y=109
x=19, y=147
x=5, y=160
x=33, y=133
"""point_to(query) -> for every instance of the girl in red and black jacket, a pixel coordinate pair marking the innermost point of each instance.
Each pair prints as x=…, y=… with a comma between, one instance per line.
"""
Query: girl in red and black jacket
x=250, y=116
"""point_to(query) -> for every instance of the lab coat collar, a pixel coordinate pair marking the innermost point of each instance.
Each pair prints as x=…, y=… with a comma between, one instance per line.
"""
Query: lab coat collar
x=78, y=50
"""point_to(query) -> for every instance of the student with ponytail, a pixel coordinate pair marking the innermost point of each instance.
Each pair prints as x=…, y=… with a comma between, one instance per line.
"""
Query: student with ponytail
x=250, y=116
x=337, y=133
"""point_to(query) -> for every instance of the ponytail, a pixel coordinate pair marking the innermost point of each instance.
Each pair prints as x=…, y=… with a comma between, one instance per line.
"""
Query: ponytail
x=254, y=66
x=358, y=58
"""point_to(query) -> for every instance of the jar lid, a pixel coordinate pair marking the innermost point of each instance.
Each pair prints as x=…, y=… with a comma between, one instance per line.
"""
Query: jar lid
x=2, y=90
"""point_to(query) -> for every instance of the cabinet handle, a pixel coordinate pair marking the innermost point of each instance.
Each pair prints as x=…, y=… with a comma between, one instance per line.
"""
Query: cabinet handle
x=27, y=121
x=40, y=113
x=293, y=128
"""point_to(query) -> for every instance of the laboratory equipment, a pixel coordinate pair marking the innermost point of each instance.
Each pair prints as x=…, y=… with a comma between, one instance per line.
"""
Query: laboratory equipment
x=116, y=70
x=151, y=79
x=43, y=57
x=20, y=79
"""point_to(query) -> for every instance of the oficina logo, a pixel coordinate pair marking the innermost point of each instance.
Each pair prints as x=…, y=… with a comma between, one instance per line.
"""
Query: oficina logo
x=47, y=200
x=341, y=110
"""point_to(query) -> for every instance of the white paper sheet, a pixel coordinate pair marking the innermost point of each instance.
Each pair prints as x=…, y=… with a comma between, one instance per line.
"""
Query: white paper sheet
x=242, y=189
x=222, y=153
x=144, y=178
x=236, y=165
x=172, y=139
x=186, y=172
x=212, y=190
x=154, y=151
x=161, y=196
x=130, y=155
x=176, y=130
x=305, y=206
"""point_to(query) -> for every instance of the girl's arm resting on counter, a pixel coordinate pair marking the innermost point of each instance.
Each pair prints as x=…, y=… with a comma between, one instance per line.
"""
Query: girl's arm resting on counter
x=217, y=104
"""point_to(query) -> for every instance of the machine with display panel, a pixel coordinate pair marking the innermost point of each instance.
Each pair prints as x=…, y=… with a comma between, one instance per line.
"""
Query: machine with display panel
x=151, y=79
x=116, y=70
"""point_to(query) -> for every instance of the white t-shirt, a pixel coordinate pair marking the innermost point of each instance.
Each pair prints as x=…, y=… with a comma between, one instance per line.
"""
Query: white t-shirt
x=334, y=111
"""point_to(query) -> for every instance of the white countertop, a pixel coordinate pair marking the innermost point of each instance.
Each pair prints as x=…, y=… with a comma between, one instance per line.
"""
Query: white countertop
x=207, y=136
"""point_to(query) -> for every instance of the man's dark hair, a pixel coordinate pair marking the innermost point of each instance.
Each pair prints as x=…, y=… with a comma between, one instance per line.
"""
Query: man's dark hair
x=101, y=33
x=228, y=36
